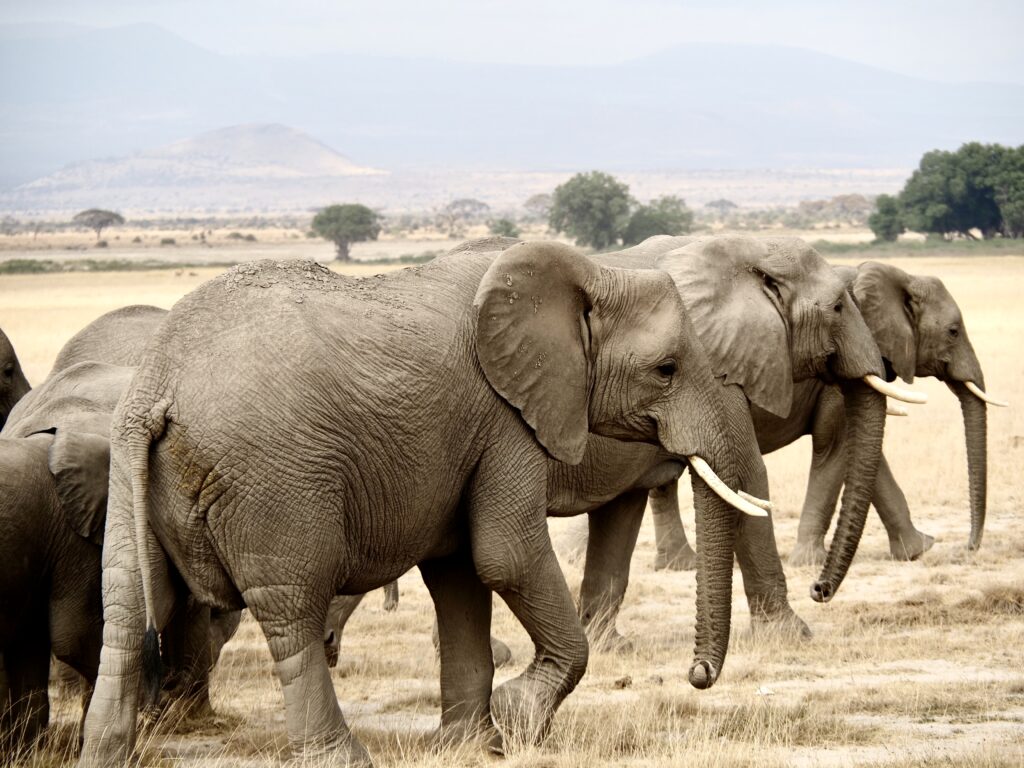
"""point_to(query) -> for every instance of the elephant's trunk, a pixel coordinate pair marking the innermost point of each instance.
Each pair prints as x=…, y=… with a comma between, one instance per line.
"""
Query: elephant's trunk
x=865, y=426
x=716, y=533
x=976, y=433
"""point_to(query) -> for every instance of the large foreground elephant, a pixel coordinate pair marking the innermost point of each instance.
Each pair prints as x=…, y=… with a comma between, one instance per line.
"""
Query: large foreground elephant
x=288, y=437
x=13, y=384
x=921, y=332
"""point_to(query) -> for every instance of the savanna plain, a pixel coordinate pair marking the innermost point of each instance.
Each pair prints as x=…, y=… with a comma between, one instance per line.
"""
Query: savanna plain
x=912, y=664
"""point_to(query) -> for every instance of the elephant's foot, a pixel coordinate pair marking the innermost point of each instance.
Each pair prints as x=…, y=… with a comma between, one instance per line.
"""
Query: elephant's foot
x=784, y=626
x=469, y=731
x=607, y=639
x=500, y=652
x=808, y=553
x=681, y=558
x=523, y=709
x=910, y=546
x=344, y=752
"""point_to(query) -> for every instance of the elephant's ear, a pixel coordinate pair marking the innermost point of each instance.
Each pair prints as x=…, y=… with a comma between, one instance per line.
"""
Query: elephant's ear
x=80, y=465
x=533, y=340
x=742, y=330
x=883, y=293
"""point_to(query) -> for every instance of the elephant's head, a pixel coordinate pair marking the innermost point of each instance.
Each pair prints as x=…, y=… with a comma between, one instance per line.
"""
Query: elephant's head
x=13, y=384
x=579, y=348
x=920, y=332
x=771, y=311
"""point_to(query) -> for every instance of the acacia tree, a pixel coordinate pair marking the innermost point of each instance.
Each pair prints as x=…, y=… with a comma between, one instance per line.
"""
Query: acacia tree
x=98, y=219
x=887, y=220
x=667, y=215
x=461, y=211
x=951, y=192
x=591, y=207
x=538, y=207
x=346, y=224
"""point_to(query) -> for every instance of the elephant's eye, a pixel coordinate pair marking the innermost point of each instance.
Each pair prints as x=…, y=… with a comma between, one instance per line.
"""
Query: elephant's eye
x=667, y=369
x=954, y=332
x=772, y=286
x=838, y=307
x=9, y=371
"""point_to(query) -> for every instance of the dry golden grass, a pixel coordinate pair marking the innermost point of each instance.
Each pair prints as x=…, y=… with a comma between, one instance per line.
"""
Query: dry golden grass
x=913, y=664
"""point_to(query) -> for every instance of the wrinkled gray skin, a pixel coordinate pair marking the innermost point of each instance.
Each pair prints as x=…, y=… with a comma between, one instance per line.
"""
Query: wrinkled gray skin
x=920, y=332
x=525, y=351
x=54, y=454
x=13, y=384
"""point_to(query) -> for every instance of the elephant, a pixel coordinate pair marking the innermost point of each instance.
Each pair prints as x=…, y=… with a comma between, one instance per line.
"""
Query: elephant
x=13, y=384
x=921, y=332
x=54, y=454
x=287, y=438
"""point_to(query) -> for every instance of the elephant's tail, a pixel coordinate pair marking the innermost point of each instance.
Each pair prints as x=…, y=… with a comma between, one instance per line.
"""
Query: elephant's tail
x=141, y=432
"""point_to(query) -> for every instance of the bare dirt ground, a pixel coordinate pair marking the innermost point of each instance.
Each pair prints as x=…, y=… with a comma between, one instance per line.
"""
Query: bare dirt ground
x=912, y=664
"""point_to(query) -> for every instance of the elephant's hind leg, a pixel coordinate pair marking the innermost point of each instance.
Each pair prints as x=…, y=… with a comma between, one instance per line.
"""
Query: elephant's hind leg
x=673, y=551
x=613, y=532
x=292, y=618
x=463, y=606
x=905, y=541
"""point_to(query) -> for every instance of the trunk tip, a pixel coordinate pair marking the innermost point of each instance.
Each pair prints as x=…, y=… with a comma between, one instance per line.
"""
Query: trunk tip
x=822, y=591
x=974, y=543
x=703, y=675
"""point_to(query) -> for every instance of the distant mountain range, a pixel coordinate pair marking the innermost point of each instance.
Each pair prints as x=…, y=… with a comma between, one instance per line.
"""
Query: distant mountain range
x=71, y=94
x=238, y=154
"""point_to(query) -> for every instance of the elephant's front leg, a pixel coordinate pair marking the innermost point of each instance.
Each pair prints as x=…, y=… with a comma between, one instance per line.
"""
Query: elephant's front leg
x=25, y=705
x=613, y=532
x=905, y=541
x=463, y=607
x=673, y=551
x=513, y=556
x=764, y=581
x=828, y=472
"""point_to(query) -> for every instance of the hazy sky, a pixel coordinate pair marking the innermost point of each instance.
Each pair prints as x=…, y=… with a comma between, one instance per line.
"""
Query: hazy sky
x=936, y=39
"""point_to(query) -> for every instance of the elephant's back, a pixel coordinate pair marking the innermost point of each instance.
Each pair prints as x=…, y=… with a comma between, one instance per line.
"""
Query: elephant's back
x=118, y=338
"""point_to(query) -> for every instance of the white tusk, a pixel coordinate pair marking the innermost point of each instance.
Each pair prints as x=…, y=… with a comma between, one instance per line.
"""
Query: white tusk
x=707, y=474
x=764, y=504
x=980, y=394
x=897, y=393
x=894, y=409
